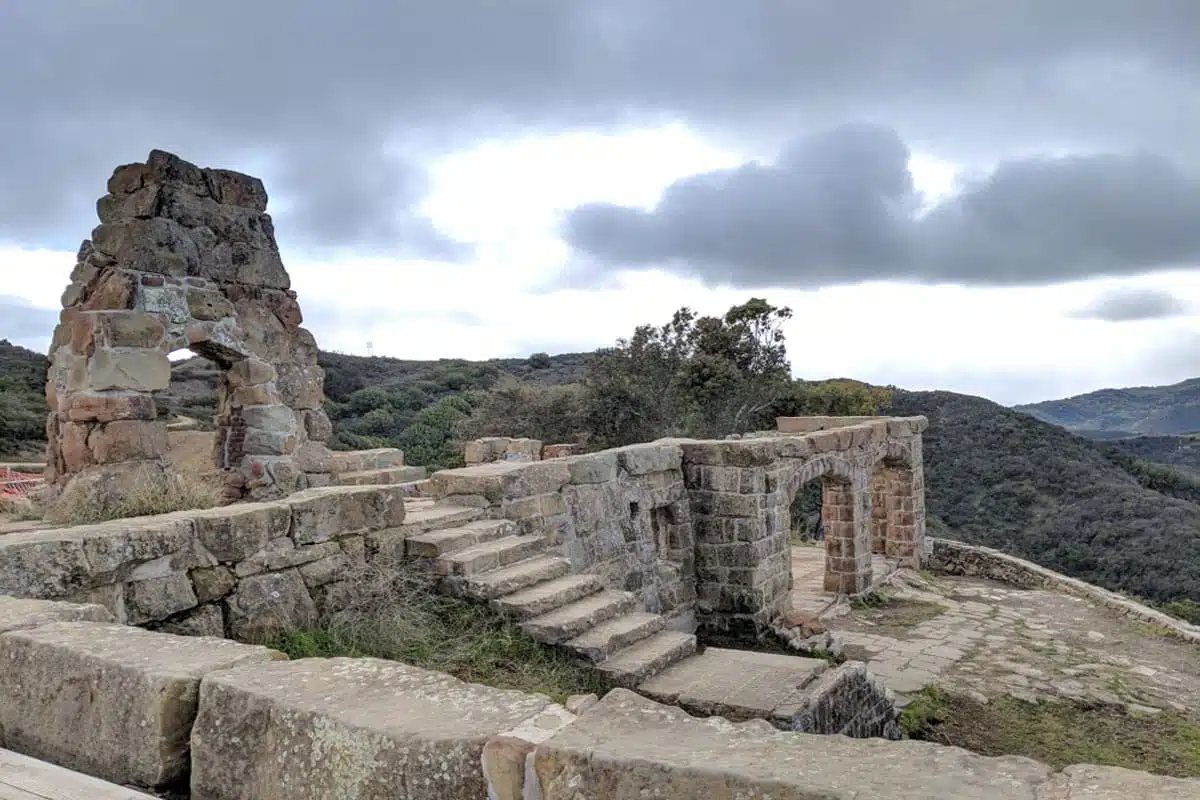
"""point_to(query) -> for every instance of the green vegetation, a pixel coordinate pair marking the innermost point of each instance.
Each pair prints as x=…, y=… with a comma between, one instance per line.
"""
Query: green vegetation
x=400, y=618
x=1058, y=734
x=1173, y=409
x=1001, y=478
x=22, y=401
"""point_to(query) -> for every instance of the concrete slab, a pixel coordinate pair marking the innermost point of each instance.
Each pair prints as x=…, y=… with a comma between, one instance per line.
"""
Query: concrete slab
x=735, y=684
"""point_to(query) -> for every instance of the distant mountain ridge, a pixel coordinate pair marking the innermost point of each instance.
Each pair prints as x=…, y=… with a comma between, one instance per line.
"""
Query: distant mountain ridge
x=1142, y=410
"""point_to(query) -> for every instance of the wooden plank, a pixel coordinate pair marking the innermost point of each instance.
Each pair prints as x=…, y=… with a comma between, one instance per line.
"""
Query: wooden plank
x=25, y=778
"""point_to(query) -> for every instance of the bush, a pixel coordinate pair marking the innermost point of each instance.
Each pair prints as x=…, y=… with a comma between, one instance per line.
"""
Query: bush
x=149, y=492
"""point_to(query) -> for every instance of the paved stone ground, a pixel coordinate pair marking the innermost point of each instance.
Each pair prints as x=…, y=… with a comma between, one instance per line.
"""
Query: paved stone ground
x=808, y=574
x=987, y=639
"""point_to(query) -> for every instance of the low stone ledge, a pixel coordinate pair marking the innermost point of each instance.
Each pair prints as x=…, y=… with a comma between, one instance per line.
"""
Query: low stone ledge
x=957, y=558
x=364, y=728
x=108, y=700
x=627, y=747
x=19, y=613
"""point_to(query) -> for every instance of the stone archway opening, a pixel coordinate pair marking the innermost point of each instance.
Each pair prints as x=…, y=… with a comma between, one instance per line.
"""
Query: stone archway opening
x=185, y=258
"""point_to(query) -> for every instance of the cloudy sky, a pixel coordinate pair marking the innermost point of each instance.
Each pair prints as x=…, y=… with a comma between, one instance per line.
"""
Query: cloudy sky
x=994, y=198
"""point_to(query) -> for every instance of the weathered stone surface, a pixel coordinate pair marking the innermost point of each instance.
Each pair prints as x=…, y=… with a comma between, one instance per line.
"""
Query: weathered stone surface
x=640, y=459
x=627, y=747
x=186, y=257
x=203, y=621
x=158, y=598
x=127, y=440
x=128, y=369
x=19, y=613
x=361, y=728
x=235, y=533
x=212, y=583
x=321, y=514
x=506, y=754
x=1090, y=782
x=108, y=700
x=111, y=406
x=269, y=603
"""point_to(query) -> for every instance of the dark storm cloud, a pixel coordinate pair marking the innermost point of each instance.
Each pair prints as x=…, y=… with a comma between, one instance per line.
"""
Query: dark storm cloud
x=1132, y=305
x=21, y=322
x=228, y=83
x=839, y=207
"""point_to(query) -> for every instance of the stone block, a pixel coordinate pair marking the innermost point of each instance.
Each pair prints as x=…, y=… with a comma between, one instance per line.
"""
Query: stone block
x=593, y=468
x=317, y=425
x=269, y=604
x=363, y=728
x=236, y=189
x=212, y=583
x=208, y=304
x=125, y=329
x=234, y=533
x=127, y=440
x=157, y=245
x=158, y=598
x=628, y=747
x=115, y=289
x=204, y=621
x=640, y=459
x=282, y=554
x=139, y=204
x=267, y=443
x=313, y=457
x=19, y=613
x=250, y=372
x=111, y=406
x=302, y=388
x=108, y=700
x=128, y=369
x=505, y=754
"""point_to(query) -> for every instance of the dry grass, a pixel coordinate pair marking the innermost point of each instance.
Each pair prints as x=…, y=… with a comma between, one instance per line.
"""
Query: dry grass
x=399, y=616
x=148, y=493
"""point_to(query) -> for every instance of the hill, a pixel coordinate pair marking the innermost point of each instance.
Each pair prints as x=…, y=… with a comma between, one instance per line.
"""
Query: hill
x=1179, y=452
x=1173, y=409
x=1004, y=479
x=22, y=401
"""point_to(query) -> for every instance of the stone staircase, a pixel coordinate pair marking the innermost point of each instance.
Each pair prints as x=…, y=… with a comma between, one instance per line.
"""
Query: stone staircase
x=487, y=560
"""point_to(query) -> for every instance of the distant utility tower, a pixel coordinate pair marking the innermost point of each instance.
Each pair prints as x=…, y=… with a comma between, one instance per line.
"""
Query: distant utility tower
x=370, y=348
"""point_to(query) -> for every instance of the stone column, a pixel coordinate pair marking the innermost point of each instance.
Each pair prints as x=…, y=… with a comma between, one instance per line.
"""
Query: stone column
x=845, y=511
x=905, y=517
x=879, y=520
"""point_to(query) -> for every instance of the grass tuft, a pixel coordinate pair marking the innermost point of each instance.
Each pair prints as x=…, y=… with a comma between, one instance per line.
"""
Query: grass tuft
x=149, y=492
x=1059, y=733
x=399, y=617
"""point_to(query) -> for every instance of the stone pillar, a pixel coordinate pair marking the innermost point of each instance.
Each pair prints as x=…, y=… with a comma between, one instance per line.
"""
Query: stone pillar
x=845, y=512
x=879, y=519
x=905, y=517
x=184, y=257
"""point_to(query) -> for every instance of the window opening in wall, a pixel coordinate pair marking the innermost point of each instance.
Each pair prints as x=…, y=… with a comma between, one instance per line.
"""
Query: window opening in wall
x=633, y=510
x=662, y=521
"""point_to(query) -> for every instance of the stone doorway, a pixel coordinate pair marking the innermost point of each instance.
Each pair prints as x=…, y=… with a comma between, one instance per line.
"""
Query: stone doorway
x=184, y=258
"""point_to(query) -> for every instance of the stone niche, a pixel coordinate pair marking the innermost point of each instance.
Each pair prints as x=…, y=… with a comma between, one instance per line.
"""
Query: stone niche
x=184, y=258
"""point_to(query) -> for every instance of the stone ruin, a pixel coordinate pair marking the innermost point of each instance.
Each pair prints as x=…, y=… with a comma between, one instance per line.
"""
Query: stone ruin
x=183, y=258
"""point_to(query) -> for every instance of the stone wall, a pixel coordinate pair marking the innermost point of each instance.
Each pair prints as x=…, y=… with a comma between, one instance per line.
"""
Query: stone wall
x=702, y=526
x=183, y=257
x=227, y=721
x=241, y=571
x=503, y=448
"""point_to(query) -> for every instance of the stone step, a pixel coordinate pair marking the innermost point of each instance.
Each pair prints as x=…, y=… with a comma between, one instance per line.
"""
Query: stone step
x=501, y=582
x=385, y=476
x=629, y=667
x=421, y=516
x=489, y=555
x=547, y=596
x=441, y=541
x=608, y=637
x=574, y=618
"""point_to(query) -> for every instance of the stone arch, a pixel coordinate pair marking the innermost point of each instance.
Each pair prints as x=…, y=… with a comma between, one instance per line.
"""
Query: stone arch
x=184, y=257
x=845, y=515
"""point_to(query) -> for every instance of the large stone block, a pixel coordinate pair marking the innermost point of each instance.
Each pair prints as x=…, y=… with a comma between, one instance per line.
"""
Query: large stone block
x=356, y=728
x=19, y=613
x=640, y=459
x=111, y=406
x=128, y=369
x=234, y=533
x=109, y=700
x=148, y=245
x=322, y=514
x=127, y=440
x=268, y=604
x=627, y=747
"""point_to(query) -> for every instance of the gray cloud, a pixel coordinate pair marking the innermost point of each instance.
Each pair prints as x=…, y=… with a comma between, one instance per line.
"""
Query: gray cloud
x=21, y=322
x=1132, y=305
x=240, y=84
x=839, y=207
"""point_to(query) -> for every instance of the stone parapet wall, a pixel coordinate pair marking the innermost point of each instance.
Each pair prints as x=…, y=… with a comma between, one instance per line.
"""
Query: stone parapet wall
x=243, y=571
x=956, y=558
x=362, y=460
x=221, y=720
x=814, y=424
x=501, y=448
